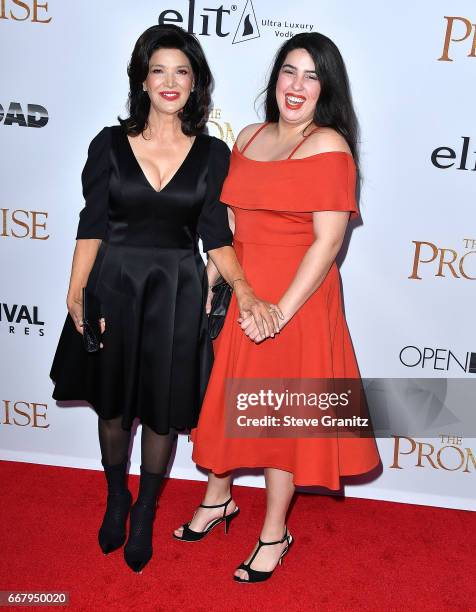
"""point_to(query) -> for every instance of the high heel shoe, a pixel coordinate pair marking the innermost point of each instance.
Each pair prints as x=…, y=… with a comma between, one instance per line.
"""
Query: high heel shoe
x=112, y=533
x=189, y=535
x=260, y=576
x=138, y=549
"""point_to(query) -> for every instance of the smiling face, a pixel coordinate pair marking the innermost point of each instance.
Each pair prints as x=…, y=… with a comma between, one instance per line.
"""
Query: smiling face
x=297, y=87
x=169, y=81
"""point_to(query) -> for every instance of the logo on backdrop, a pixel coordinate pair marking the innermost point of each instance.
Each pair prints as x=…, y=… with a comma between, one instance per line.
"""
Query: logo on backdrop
x=442, y=359
x=24, y=10
x=220, y=128
x=238, y=22
x=432, y=260
x=24, y=414
x=21, y=319
x=459, y=158
x=23, y=224
x=248, y=26
x=458, y=30
x=449, y=453
x=36, y=116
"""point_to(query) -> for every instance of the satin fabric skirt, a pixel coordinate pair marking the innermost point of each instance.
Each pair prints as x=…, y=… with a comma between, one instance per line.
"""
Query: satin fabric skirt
x=157, y=354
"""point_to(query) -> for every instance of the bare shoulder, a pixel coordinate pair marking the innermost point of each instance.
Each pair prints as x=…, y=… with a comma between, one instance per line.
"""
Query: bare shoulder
x=246, y=133
x=324, y=140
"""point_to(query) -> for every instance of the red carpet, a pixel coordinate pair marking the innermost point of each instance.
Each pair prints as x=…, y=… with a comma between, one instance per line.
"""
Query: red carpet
x=349, y=554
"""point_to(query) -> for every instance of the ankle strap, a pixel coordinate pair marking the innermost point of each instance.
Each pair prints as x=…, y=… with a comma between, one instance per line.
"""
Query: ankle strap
x=224, y=505
x=261, y=543
x=283, y=539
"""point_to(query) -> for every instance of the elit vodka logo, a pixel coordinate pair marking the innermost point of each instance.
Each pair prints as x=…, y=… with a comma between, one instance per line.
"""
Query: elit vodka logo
x=215, y=20
x=248, y=26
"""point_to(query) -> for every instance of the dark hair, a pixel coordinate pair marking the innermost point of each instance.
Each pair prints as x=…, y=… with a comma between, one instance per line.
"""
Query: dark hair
x=194, y=115
x=334, y=107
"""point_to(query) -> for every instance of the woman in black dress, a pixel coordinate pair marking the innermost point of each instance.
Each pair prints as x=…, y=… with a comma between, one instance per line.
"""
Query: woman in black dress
x=151, y=187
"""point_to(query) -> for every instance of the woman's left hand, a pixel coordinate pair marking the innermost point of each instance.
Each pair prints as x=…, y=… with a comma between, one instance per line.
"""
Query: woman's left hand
x=266, y=316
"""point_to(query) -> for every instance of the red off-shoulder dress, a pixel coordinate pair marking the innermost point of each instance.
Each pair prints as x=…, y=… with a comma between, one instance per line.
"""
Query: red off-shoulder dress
x=273, y=202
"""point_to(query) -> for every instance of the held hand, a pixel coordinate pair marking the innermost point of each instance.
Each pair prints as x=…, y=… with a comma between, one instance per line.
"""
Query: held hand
x=249, y=327
x=265, y=315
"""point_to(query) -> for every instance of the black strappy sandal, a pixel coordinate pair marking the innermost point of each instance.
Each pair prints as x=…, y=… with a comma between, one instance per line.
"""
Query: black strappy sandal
x=189, y=535
x=256, y=575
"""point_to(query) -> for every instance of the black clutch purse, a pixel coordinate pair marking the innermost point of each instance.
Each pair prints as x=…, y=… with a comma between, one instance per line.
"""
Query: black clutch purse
x=91, y=324
x=220, y=301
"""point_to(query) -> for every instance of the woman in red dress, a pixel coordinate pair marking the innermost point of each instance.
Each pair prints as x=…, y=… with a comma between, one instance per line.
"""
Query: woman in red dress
x=291, y=186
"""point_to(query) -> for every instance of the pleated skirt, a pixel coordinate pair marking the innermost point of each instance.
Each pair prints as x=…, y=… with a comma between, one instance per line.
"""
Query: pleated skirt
x=157, y=354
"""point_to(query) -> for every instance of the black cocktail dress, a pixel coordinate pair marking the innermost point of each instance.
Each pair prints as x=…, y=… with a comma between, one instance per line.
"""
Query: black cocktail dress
x=151, y=281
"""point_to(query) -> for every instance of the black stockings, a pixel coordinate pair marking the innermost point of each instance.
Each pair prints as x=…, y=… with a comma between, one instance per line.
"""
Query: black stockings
x=113, y=440
x=155, y=448
x=155, y=455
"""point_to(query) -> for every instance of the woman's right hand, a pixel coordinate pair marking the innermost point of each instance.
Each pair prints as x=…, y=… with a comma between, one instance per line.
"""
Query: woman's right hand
x=84, y=257
x=75, y=309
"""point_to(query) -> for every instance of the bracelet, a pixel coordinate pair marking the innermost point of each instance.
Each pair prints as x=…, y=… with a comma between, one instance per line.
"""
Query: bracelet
x=235, y=281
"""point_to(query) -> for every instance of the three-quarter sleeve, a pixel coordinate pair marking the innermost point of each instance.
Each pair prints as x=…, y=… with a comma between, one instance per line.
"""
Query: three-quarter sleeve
x=95, y=179
x=213, y=227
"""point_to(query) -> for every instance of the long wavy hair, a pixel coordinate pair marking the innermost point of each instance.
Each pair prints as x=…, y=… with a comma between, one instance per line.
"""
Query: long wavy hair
x=194, y=114
x=334, y=107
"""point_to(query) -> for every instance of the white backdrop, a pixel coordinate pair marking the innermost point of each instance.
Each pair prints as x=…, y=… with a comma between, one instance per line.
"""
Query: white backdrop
x=411, y=67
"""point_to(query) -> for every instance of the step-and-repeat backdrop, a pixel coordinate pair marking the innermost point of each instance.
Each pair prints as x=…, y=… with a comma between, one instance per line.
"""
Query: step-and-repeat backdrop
x=409, y=269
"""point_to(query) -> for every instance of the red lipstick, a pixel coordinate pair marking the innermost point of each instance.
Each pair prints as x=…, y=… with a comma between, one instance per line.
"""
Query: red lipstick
x=294, y=101
x=170, y=95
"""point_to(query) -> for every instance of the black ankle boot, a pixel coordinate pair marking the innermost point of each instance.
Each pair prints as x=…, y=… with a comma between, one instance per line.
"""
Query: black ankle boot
x=112, y=533
x=138, y=550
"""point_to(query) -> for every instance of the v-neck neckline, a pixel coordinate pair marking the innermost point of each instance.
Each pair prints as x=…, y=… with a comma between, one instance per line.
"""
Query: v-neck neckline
x=149, y=184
